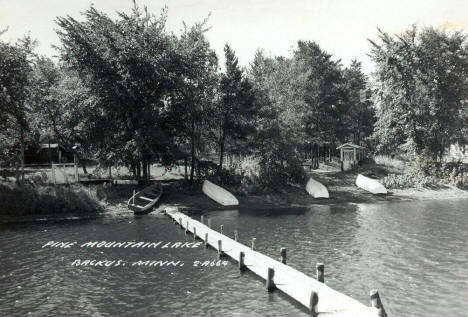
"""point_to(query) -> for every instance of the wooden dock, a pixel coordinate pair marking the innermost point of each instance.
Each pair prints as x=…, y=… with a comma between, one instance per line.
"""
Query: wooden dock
x=316, y=296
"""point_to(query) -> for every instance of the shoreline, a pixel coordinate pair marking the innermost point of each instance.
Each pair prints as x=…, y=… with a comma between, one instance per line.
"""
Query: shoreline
x=193, y=201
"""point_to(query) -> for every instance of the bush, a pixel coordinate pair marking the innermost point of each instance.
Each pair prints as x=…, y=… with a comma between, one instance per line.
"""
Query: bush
x=426, y=173
x=279, y=165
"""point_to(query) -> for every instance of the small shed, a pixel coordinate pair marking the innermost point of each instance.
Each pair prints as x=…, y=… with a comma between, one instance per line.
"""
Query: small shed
x=351, y=152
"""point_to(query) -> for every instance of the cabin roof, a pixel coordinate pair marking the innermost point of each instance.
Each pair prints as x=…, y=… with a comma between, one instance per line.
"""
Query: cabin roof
x=350, y=146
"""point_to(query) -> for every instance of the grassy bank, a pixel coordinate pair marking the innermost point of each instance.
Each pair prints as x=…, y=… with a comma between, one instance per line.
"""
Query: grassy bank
x=33, y=199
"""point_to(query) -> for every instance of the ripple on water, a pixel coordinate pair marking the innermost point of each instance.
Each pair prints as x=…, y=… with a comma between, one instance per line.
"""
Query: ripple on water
x=413, y=252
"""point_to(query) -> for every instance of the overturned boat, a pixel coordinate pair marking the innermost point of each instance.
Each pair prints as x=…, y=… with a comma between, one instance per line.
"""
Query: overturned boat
x=219, y=194
x=370, y=184
x=317, y=189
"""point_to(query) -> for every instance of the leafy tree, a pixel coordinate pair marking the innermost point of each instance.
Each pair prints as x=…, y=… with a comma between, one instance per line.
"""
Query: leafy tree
x=129, y=64
x=420, y=84
x=192, y=102
x=15, y=68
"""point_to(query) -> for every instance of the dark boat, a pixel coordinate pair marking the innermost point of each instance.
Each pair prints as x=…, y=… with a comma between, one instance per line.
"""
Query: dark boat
x=144, y=201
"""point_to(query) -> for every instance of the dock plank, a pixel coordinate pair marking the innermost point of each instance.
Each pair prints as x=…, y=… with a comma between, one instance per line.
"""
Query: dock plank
x=290, y=281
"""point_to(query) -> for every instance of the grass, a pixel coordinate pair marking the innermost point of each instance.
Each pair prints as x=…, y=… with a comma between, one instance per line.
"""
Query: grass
x=33, y=199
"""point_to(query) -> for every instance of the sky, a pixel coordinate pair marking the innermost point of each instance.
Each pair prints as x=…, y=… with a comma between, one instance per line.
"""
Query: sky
x=340, y=27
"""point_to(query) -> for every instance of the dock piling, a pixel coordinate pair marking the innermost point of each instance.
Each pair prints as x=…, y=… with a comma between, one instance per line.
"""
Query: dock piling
x=180, y=222
x=220, y=249
x=194, y=233
x=236, y=235
x=221, y=229
x=186, y=228
x=313, y=304
x=202, y=220
x=283, y=255
x=253, y=244
x=377, y=303
x=209, y=223
x=320, y=268
x=270, y=284
x=205, y=243
x=242, y=266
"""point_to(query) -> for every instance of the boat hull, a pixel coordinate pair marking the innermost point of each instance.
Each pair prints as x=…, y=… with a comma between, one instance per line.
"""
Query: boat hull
x=317, y=189
x=219, y=194
x=143, y=202
x=370, y=185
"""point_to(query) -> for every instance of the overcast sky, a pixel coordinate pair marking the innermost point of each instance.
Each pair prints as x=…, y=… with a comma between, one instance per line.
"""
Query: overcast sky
x=341, y=27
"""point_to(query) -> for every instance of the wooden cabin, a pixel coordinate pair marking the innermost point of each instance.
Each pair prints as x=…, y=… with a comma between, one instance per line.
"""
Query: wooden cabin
x=46, y=153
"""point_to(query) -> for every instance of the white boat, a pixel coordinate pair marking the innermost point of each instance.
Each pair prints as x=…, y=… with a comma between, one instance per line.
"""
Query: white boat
x=316, y=189
x=369, y=184
x=219, y=194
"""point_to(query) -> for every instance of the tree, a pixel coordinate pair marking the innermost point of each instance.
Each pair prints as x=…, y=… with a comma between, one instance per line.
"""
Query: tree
x=15, y=68
x=324, y=93
x=192, y=103
x=236, y=107
x=130, y=66
x=361, y=114
x=420, y=85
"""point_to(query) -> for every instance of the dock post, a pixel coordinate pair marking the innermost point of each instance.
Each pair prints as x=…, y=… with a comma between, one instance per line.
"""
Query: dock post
x=205, y=243
x=313, y=304
x=180, y=222
x=283, y=255
x=221, y=229
x=270, y=285
x=377, y=303
x=202, y=220
x=242, y=266
x=186, y=228
x=194, y=233
x=320, y=272
x=236, y=235
x=253, y=244
x=209, y=223
x=220, y=249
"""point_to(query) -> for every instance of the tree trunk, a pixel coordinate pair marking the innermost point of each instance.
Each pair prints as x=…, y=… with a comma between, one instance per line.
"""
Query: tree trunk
x=138, y=169
x=144, y=164
x=221, y=148
x=192, y=136
x=83, y=165
x=22, y=153
x=149, y=170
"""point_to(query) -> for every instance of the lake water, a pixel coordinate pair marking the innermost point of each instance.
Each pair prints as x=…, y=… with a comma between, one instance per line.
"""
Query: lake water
x=414, y=253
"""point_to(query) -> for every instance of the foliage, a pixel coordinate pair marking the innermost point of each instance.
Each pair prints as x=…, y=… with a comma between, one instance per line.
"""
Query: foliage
x=15, y=68
x=420, y=85
x=130, y=66
x=237, y=111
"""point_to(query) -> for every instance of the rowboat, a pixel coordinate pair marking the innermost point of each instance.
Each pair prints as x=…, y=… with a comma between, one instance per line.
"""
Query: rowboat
x=219, y=194
x=369, y=184
x=316, y=189
x=143, y=201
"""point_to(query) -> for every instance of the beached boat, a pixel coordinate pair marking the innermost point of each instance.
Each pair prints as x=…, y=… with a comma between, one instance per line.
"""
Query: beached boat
x=369, y=184
x=316, y=189
x=143, y=201
x=219, y=194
